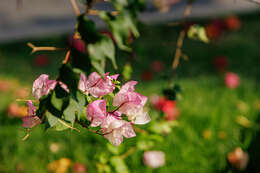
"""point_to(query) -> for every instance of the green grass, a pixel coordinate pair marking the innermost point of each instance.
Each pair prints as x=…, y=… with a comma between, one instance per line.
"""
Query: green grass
x=206, y=104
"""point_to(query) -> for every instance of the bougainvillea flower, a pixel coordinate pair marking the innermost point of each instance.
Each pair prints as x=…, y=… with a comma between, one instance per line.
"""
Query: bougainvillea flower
x=96, y=85
x=31, y=119
x=131, y=104
x=232, y=80
x=238, y=158
x=96, y=112
x=114, y=128
x=42, y=86
x=154, y=159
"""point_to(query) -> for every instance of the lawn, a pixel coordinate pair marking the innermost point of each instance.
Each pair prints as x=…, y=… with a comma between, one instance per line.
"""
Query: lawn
x=208, y=108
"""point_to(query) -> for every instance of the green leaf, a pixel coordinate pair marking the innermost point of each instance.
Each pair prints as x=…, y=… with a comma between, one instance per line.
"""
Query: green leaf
x=69, y=77
x=103, y=48
x=115, y=150
x=119, y=164
x=80, y=61
x=121, y=27
x=55, y=122
x=56, y=102
x=144, y=144
x=75, y=108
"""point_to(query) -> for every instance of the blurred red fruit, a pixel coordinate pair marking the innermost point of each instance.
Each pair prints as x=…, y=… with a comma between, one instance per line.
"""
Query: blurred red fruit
x=22, y=93
x=221, y=63
x=219, y=24
x=147, y=75
x=14, y=110
x=157, y=102
x=79, y=45
x=157, y=66
x=41, y=60
x=215, y=28
x=170, y=109
x=79, y=168
x=4, y=86
x=233, y=23
x=172, y=114
x=213, y=31
x=232, y=80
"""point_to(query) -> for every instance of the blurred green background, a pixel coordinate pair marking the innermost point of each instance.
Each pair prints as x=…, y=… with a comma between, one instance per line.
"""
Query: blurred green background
x=208, y=108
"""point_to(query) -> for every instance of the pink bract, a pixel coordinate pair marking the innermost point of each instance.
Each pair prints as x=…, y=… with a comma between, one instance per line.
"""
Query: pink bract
x=42, y=86
x=96, y=85
x=131, y=104
x=96, y=112
x=115, y=129
x=31, y=119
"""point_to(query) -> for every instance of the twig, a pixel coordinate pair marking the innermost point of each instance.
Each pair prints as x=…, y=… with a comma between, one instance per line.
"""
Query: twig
x=130, y=151
x=93, y=131
x=36, y=49
x=75, y=7
x=65, y=124
x=96, y=12
x=139, y=130
x=181, y=37
x=24, y=100
x=67, y=57
x=26, y=137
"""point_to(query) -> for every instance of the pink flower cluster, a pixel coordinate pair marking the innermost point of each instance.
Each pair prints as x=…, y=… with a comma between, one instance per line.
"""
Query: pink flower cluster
x=166, y=106
x=126, y=101
x=113, y=127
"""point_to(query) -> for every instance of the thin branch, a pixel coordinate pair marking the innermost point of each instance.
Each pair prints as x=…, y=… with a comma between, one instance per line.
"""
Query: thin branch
x=24, y=100
x=26, y=137
x=181, y=37
x=93, y=131
x=67, y=57
x=36, y=49
x=75, y=7
x=130, y=151
x=65, y=124
x=96, y=12
x=139, y=130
